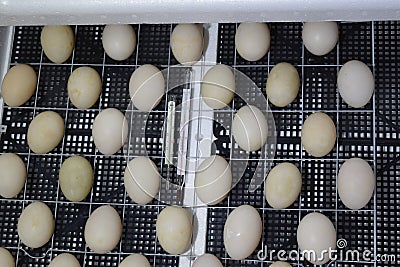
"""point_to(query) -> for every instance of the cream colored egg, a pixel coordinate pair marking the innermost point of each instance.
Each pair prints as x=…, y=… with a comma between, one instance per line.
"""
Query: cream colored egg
x=213, y=180
x=318, y=134
x=119, y=41
x=110, y=131
x=84, y=87
x=242, y=232
x=250, y=128
x=57, y=42
x=356, y=183
x=280, y=264
x=7, y=260
x=355, y=83
x=207, y=260
x=174, y=229
x=320, y=37
x=18, y=85
x=283, y=84
x=45, y=132
x=76, y=178
x=12, y=175
x=103, y=229
x=36, y=225
x=187, y=43
x=142, y=180
x=135, y=260
x=146, y=87
x=316, y=233
x=218, y=86
x=65, y=260
x=283, y=185
x=252, y=40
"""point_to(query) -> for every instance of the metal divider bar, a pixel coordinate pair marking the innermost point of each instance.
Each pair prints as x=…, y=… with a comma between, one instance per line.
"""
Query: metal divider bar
x=200, y=129
x=6, y=38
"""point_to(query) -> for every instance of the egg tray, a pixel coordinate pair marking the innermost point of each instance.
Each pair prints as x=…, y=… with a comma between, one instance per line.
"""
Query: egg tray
x=371, y=133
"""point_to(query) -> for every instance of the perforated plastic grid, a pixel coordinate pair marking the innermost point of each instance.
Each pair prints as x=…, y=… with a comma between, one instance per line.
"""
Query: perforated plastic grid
x=371, y=132
x=387, y=62
x=374, y=228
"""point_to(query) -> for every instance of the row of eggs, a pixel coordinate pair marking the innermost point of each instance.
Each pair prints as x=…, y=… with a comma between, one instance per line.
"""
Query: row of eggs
x=147, y=85
x=137, y=260
x=252, y=41
x=213, y=180
x=103, y=231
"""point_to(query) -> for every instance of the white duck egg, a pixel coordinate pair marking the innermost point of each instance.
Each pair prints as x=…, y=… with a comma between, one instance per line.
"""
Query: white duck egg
x=213, y=180
x=110, y=131
x=318, y=134
x=45, y=132
x=119, y=41
x=142, y=180
x=250, y=128
x=7, y=260
x=103, y=229
x=316, y=233
x=280, y=264
x=320, y=38
x=12, y=175
x=283, y=84
x=240, y=240
x=136, y=260
x=355, y=83
x=65, y=260
x=57, y=42
x=252, y=40
x=18, y=85
x=84, y=87
x=76, y=178
x=207, y=260
x=174, y=229
x=283, y=185
x=36, y=225
x=187, y=43
x=218, y=86
x=356, y=183
x=146, y=87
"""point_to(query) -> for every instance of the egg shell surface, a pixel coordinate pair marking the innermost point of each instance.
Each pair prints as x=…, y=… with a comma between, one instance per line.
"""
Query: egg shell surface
x=18, y=85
